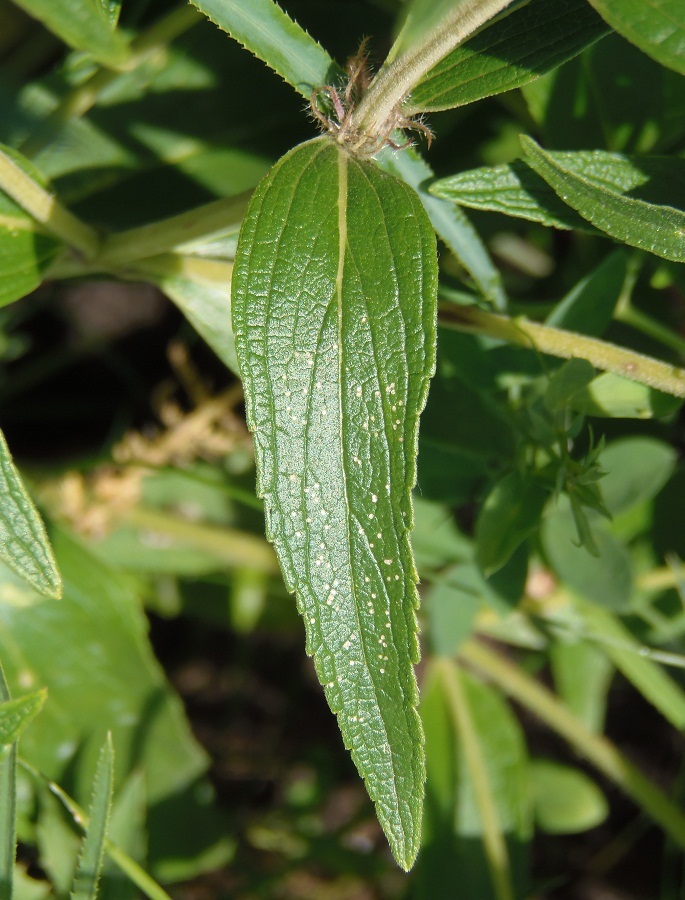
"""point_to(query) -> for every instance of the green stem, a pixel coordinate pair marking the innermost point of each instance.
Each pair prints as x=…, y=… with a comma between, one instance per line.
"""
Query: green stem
x=160, y=237
x=233, y=547
x=568, y=345
x=129, y=866
x=595, y=748
x=83, y=97
x=43, y=206
x=394, y=81
x=493, y=841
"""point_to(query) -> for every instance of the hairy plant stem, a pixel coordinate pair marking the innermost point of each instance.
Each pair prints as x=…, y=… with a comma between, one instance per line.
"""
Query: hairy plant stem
x=568, y=345
x=84, y=96
x=394, y=81
x=595, y=748
x=494, y=843
x=44, y=207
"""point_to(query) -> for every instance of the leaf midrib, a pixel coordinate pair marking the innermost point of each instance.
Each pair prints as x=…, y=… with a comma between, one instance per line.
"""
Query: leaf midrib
x=342, y=254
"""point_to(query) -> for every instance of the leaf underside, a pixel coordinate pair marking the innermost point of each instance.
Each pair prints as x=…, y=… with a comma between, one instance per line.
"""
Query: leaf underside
x=334, y=304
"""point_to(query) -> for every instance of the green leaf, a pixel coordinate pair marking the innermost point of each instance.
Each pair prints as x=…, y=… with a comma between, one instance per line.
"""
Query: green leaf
x=82, y=24
x=637, y=200
x=568, y=379
x=15, y=715
x=566, y=800
x=267, y=31
x=606, y=579
x=107, y=679
x=451, y=612
x=510, y=513
x=334, y=305
x=636, y=470
x=512, y=189
x=518, y=47
x=657, y=28
x=626, y=653
x=589, y=307
x=24, y=545
x=612, y=396
x=26, y=250
x=452, y=851
x=92, y=853
x=450, y=223
x=205, y=302
x=25, y=253
x=620, y=100
x=8, y=807
x=419, y=18
x=582, y=675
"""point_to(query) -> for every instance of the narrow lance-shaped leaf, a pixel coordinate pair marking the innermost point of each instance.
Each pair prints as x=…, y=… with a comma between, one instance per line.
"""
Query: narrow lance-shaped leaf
x=91, y=858
x=657, y=27
x=334, y=304
x=24, y=545
x=637, y=200
x=513, y=189
x=518, y=47
x=82, y=24
x=268, y=32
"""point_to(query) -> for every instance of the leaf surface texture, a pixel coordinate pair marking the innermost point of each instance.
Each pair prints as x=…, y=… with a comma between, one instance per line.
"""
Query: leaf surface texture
x=334, y=305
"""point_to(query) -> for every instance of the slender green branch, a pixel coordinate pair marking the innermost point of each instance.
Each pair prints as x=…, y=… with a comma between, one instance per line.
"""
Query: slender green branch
x=129, y=866
x=395, y=80
x=493, y=840
x=568, y=345
x=233, y=547
x=595, y=748
x=168, y=234
x=83, y=97
x=46, y=209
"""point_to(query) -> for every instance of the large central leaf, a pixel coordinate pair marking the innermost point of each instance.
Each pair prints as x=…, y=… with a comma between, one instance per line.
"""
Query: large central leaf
x=334, y=304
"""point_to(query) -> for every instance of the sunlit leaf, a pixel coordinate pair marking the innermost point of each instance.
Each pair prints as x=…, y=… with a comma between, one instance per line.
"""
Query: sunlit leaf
x=637, y=200
x=513, y=189
x=334, y=293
